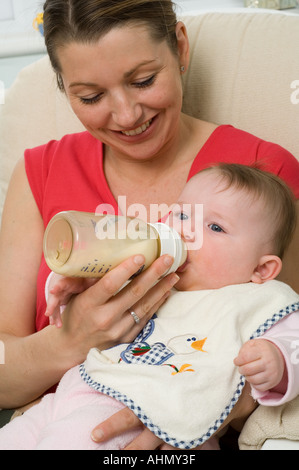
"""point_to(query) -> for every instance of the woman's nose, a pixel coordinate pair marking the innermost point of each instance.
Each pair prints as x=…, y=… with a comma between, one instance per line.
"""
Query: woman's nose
x=126, y=112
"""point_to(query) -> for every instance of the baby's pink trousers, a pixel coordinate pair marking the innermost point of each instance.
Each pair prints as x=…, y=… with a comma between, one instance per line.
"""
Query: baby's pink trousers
x=64, y=420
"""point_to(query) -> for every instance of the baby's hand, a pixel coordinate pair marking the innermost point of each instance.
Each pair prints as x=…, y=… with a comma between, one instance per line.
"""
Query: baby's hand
x=61, y=289
x=262, y=364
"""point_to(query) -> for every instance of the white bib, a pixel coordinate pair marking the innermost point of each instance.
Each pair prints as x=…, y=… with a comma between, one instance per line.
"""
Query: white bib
x=178, y=375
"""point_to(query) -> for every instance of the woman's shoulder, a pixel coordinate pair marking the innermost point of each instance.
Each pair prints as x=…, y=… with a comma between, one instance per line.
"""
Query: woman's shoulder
x=56, y=169
x=235, y=140
x=228, y=144
x=269, y=156
x=71, y=141
x=71, y=148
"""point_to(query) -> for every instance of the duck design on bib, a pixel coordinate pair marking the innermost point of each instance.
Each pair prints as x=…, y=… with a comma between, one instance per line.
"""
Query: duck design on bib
x=141, y=352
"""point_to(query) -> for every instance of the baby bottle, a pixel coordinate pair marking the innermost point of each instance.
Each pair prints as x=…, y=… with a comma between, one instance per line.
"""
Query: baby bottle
x=82, y=244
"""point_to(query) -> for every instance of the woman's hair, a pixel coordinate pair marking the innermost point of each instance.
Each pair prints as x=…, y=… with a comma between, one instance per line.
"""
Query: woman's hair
x=86, y=21
x=279, y=200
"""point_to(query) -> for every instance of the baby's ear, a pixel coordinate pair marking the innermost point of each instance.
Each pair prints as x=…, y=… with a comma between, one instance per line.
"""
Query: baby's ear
x=268, y=268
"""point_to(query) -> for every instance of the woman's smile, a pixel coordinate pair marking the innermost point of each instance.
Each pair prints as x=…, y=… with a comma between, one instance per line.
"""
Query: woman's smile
x=140, y=133
x=139, y=130
x=138, y=100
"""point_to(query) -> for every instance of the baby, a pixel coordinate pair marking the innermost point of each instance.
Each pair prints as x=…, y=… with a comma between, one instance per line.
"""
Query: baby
x=226, y=296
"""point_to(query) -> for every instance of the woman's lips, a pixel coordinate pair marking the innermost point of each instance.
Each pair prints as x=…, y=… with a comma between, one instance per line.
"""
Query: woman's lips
x=139, y=130
x=138, y=133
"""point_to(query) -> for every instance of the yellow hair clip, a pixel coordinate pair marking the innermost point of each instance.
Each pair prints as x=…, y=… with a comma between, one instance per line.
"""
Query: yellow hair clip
x=38, y=23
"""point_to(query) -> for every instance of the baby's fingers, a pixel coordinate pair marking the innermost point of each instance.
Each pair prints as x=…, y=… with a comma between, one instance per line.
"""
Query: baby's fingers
x=53, y=311
x=55, y=320
x=249, y=352
x=53, y=306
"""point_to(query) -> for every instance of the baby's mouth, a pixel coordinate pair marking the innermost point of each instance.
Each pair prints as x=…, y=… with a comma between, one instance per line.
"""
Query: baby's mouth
x=183, y=266
x=138, y=130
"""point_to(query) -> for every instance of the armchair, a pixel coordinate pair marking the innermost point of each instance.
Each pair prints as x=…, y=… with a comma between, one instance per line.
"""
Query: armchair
x=243, y=71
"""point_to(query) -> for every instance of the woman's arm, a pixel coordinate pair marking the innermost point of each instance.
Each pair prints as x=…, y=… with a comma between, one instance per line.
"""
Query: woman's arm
x=20, y=253
x=289, y=273
x=34, y=361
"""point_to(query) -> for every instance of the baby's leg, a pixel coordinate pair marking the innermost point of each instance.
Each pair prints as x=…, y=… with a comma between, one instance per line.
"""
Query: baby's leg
x=22, y=432
x=64, y=420
x=73, y=432
x=78, y=410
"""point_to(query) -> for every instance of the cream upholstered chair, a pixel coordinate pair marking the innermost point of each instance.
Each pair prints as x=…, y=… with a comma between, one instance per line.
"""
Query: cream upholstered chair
x=243, y=67
x=241, y=72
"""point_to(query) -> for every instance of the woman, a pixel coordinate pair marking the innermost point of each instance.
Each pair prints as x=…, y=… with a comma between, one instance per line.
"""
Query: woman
x=120, y=65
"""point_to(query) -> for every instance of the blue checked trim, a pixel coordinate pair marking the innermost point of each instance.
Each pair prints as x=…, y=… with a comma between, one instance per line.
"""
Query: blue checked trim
x=154, y=428
x=276, y=318
x=156, y=356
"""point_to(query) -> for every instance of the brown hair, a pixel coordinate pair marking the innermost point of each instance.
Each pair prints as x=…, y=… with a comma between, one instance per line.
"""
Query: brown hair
x=278, y=198
x=86, y=21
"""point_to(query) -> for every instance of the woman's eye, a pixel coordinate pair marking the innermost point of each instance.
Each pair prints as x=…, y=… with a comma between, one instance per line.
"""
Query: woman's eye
x=145, y=83
x=216, y=228
x=91, y=100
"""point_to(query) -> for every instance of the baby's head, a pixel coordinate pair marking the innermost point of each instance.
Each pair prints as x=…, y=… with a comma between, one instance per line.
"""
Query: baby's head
x=248, y=220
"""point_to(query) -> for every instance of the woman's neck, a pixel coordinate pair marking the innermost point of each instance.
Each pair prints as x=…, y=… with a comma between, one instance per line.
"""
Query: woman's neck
x=171, y=155
x=161, y=179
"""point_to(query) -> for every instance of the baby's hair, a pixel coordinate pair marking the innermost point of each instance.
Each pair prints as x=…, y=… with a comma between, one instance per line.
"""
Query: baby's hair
x=279, y=199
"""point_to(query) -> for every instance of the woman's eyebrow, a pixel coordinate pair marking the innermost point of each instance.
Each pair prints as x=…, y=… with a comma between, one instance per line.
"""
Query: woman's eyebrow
x=141, y=64
x=82, y=83
x=126, y=75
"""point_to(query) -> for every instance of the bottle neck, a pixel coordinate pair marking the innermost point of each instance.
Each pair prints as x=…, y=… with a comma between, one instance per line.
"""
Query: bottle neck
x=171, y=244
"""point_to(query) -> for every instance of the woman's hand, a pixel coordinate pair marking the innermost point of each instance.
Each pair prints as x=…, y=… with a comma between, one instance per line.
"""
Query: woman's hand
x=123, y=421
x=100, y=316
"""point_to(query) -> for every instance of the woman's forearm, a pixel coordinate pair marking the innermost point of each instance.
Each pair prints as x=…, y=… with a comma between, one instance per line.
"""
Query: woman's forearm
x=98, y=317
x=31, y=366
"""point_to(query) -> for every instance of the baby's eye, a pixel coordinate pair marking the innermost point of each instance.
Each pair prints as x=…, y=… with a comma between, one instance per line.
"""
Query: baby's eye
x=183, y=216
x=216, y=228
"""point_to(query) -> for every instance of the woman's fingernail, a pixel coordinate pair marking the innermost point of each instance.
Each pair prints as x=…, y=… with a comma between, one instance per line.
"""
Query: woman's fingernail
x=139, y=260
x=168, y=261
x=97, y=435
x=174, y=279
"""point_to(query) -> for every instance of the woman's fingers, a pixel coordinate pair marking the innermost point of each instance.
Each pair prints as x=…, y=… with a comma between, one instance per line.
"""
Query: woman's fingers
x=119, y=423
x=145, y=291
x=145, y=441
x=144, y=295
x=109, y=285
x=101, y=317
x=123, y=421
x=141, y=295
x=113, y=281
x=129, y=329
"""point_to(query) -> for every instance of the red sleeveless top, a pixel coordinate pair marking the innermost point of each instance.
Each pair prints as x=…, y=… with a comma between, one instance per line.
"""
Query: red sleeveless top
x=68, y=175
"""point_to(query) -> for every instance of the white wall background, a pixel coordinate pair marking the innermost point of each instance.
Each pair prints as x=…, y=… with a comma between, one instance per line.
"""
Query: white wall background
x=20, y=44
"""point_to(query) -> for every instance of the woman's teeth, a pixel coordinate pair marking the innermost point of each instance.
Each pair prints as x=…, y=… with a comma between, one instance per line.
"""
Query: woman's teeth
x=139, y=130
